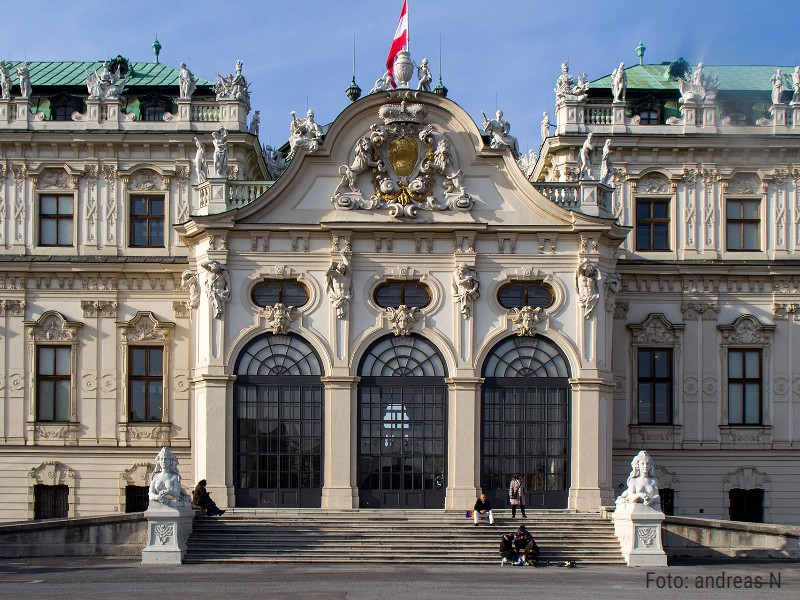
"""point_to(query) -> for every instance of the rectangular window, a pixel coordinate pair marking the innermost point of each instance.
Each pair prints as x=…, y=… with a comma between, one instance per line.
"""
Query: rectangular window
x=744, y=387
x=53, y=383
x=55, y=220
x=742, y=224
x=50, y=501
x=654, y=386
x=746, y=505
x=136, y=498
x=652, y=224
x=147, y=221
x=145, y=383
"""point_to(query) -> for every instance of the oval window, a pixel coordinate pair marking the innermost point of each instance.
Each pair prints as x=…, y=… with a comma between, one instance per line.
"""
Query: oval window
x=392, y=294
x=517, y=294
x=273, y=291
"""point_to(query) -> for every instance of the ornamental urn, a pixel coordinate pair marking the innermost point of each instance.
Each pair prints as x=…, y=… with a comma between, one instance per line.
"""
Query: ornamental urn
x=403, y=68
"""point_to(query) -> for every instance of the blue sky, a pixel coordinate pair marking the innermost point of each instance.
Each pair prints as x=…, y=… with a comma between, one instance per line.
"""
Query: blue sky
x=503, y=53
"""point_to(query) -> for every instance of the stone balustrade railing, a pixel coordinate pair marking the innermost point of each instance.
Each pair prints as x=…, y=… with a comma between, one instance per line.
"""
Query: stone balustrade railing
x=195, y=115
x=564, y=194
x=598, y=115
x=244, y=192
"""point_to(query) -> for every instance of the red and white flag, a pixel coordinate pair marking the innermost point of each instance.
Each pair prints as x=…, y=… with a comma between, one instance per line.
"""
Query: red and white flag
x=400, y=41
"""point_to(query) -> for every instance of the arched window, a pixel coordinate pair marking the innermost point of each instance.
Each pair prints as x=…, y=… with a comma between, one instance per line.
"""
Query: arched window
x=525, y=421
x=402, y=424
x=278, y=423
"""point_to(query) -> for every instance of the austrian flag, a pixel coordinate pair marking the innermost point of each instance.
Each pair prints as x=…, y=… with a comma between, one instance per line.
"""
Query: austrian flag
x=400, y=41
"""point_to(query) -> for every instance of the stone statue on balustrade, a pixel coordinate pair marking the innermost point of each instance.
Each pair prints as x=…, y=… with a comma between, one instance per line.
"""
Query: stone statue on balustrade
x=698, y=87
x=499, y=128
x=220, y=137
x=641, y=486
x=465, y=286
x=619, y=83
x=304, y=133
x=255, y=123
x=105, y=85
x=545, y=126
x=275, y=161
x=777, y=86
x=234, y=87
x=5, y=80
x=217, y=286
x=587, y=154
x=527, y=163
x=796, y=85
x=606, y=166
x=24, y=76
x=165, y=482
x=424, y=75
x=568, y=88
x=187, y=83
x=338, y=285
x=200, y=165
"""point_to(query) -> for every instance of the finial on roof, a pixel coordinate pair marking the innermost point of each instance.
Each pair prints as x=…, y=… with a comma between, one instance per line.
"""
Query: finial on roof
x=640, y=51
x=440, y=90
x=353, y=91
x=156, y=48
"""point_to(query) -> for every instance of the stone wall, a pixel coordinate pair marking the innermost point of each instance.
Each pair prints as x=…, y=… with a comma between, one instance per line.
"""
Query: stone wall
x=117, y=535
x=707, y=538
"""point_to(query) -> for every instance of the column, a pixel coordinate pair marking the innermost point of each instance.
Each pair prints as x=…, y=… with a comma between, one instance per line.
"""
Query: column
x=590, y=480
x=463, y=442
x=340, y=488
x=213, y=457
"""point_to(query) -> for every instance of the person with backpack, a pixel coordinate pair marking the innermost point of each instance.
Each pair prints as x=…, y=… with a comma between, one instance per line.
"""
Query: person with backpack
x=516, y=496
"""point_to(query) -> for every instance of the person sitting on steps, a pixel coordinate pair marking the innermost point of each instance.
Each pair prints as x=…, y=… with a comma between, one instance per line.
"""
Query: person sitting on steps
x=202, y=498
x=526, y=545
x=482, y=510
x=507, y=550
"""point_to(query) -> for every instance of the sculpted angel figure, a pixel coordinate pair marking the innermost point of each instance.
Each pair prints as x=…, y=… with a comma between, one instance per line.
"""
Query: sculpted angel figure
x=165, y=482
x=619, y=83
x=586, y=284
x=200, y=162
x=642, y=487
x=338, y=282
x=586, y=158
x=424, y=75
x=217, y=286
x=220, y=151
x=5, y=80
x=189, y=281
x=499, y=129
x=465, y=287
x=362, y=161
x=187, y=82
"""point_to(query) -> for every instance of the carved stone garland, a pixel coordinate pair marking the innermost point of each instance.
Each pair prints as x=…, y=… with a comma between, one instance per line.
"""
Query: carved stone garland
x=405, y=158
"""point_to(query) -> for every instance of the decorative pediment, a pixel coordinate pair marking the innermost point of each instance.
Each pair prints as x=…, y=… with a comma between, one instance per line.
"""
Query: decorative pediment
x=138, y=474
x=145, y=327
x=407, y=165
x=655, y=330
x=746, y=331
x=744, y=183
x=146, y=180
x=51, y=472
x=653, y=183
x=54, y=179
x=52, y=326
x=746, y=478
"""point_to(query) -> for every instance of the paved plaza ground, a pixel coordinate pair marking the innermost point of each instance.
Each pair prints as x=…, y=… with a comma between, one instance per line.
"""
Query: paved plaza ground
x=123, y=578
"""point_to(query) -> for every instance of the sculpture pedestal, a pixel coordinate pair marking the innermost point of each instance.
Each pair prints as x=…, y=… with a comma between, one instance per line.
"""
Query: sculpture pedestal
x=638, y=528
x=168, y=528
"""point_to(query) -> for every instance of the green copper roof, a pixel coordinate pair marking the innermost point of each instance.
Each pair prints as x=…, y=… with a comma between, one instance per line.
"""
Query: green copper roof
x=74, y=73
x=731, y=77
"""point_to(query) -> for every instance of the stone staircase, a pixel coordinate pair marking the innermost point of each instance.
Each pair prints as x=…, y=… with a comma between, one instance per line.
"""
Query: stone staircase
x=393, y=536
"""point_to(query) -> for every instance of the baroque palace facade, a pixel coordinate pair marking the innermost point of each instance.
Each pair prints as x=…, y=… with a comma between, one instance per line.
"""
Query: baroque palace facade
x=399, y=315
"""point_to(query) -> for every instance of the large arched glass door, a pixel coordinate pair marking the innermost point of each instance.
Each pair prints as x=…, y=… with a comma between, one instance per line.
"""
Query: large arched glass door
x=525, y=421
x=402, y=425
x=278, y=429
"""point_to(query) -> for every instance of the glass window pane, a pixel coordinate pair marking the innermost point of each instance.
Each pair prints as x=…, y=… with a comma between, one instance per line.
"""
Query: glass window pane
x=46, y=396
x=62, y=392
x=65, y=232
x=735, y=403
x=155, y=390
x=660, y=210
x=750, y=236
x=750, y=210
x=662, y=408
x=156, y=233
x=645, y=403
x=137, y=401
x=63, y=366
x=46, y=363
x=662, y=360
x=157, y=207
x=643, y=209
x=48, y=205
x=735, y=365
x=644, y=363
x=155, y=361
x=65, y=205
x=660, y=236
x=751, y=403
x=47, y=232
x=138, y=361
x=139, y=206
x=733, y=209
x=733, y=233
x=139, y=233
x=512, y=295
x=751, y=364
x=643, y=237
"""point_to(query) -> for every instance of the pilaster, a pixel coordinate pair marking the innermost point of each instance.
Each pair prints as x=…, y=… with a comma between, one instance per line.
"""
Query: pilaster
x=340, y=488
x=214, y=436
x=463, y=442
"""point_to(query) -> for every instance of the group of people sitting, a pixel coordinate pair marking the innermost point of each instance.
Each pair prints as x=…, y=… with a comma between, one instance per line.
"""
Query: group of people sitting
x=519, y=548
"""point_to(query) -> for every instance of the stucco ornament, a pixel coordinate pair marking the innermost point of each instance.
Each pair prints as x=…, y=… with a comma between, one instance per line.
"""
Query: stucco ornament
x=5, y=80
x=402, y=318
x=304, y=133
x=586, y=284
x=568, y=88
x=338, y=284
x=217, y=286
x=527, y=319
x=642, y=486
x=498, y=128
x=465, y=288
x=105, y=85
x=234, y=87
x=279, y=317
x=697, y=86
x=189, y=282
x=165, y=482
x=403, y=158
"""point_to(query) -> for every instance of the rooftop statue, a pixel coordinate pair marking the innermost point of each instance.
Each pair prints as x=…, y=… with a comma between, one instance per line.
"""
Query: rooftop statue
x=304, y=133
x=499, y=129
x=186, y=82
x=619, y=83
x=24, y=75
x=255, y=123
x=777, y=86
x=568, y=88
x=105, y=85
x=220, y=151
x=642, y=487
x=382, y=84
x=545, y=126
x=5, y=80
x=587, y=152
x=527, y=162
x=275, y=161
x=796, y=84
x=424, y=75
x=234, y=87
x=697, y=86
